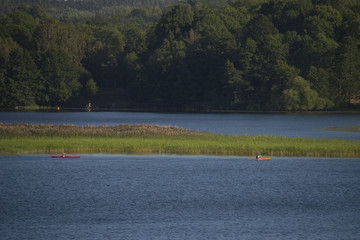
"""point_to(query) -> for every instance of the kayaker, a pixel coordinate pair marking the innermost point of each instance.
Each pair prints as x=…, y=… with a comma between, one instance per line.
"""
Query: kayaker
x=63, y=154
x=258, y=156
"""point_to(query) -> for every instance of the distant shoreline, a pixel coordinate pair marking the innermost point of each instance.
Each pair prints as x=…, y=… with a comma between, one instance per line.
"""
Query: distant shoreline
x=153, y=139
x=111, y=109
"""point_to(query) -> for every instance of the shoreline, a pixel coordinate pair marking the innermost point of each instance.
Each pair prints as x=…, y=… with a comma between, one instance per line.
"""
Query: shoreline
x=153, y=139
x=355, y=110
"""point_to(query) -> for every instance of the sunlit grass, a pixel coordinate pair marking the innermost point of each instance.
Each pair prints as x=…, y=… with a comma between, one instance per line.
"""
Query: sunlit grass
x=147, y=139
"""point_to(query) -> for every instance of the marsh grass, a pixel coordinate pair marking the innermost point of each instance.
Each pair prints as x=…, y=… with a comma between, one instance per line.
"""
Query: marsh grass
x=344, y=129
x=92, y=131
x=150, y=139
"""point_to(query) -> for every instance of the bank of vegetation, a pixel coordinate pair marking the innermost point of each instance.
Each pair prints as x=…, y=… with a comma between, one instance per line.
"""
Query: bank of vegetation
x=150, y=139
x=344, y=128
x=181, y=55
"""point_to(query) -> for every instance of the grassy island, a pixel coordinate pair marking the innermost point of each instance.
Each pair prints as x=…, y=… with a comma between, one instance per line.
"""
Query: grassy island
x=150, y=139
x=344, y=129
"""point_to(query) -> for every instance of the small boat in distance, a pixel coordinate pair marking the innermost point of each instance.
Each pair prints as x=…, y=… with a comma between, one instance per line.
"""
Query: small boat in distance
x=65, y=156
x=258, y=158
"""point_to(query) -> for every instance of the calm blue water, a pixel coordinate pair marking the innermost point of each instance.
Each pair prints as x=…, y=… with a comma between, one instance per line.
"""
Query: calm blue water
x=278, y=124
x=178, y=197
x=182, y=197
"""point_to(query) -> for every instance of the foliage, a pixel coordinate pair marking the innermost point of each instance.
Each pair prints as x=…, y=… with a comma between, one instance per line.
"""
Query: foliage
x=40, y=60
x=299, y=96
x=195, y=55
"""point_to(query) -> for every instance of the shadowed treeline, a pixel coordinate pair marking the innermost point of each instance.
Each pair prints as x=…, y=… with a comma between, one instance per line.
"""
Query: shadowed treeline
x=193, y=56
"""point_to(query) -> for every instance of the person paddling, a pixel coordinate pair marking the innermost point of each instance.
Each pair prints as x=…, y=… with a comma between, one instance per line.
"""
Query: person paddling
x=63, y=154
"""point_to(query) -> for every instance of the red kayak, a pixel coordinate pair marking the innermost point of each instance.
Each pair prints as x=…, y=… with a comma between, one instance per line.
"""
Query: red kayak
x=65, y=156
x=258, y=158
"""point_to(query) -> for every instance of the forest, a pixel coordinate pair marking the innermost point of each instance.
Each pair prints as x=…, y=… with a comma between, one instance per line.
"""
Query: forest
x=287, y=55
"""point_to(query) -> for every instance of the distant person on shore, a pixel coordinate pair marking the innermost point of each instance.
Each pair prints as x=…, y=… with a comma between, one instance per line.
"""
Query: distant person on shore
x=88, y=107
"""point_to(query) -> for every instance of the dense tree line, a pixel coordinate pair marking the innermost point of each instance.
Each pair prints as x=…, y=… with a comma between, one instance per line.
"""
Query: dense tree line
x=88, y=5
x=241, y=54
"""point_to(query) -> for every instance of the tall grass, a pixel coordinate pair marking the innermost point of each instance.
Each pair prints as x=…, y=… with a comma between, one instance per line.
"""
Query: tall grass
x=92, y=131
x=344, y=129
x=142, y=139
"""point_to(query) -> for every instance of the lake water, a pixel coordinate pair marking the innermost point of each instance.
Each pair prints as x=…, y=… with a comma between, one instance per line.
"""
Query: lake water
x=278, y=124
x=178, y=197
x=182, y=197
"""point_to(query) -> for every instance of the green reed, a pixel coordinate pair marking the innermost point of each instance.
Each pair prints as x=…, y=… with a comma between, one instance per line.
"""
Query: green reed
x=143, y=139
